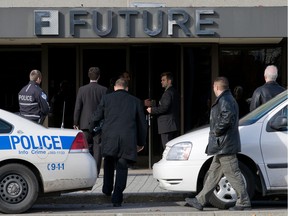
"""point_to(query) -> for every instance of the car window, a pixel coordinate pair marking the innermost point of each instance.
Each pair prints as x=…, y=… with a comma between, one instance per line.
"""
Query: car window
x=279, y=120
x=258, y=113
x=5, y=127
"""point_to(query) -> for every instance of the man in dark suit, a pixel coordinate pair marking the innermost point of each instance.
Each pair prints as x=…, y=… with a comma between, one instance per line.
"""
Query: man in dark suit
x=168, y=110
x=124, y=134
x=87, y=101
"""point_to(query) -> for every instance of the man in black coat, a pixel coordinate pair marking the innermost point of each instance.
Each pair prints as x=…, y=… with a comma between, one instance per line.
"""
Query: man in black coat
x=124, y=134
x=267, y=91
x=87, y=101
x=168, y=110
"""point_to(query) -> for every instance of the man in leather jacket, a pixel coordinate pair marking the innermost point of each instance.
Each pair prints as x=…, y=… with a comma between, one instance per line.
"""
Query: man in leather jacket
x=267, y=91
x=224, y=144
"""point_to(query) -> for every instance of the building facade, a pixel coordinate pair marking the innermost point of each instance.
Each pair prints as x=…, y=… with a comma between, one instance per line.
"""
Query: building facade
x=196, y=40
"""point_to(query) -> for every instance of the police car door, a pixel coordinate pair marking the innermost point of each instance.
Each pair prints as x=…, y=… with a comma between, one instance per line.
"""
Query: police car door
x=273, y=142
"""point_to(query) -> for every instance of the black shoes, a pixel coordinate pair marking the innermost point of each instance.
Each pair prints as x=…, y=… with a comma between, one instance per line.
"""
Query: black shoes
x=193, y=202
x=240, y=208
x=116, y=204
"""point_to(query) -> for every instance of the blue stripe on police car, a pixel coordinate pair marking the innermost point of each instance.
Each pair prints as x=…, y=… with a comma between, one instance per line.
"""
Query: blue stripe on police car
x=35, y=142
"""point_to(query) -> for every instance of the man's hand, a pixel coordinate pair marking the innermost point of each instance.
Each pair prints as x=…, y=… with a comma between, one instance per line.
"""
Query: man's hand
x=149, y=109
x=76, y=127
x=140, y=148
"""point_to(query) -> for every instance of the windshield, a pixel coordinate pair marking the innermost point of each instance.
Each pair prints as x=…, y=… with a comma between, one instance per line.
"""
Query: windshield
x=258, y=113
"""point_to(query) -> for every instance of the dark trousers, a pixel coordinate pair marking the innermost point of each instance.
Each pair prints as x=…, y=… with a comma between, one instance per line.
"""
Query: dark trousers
x=97, y=151
x=94, y=144
x=121, y=165
x=165, y=137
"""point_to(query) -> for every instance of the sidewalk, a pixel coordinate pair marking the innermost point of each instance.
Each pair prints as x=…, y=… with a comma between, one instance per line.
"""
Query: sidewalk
x=142, y=196
x=141, y=187
x=138, y=181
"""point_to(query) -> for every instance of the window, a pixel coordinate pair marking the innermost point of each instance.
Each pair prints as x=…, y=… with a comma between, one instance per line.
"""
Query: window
x=5, y=127
x=279, y=121
x=245, y=65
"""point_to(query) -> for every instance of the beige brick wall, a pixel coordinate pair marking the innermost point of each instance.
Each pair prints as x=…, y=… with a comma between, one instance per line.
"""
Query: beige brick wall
x=128, y=3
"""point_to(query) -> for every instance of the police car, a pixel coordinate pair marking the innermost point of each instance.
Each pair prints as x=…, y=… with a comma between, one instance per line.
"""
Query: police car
x=263, y=159
x=36, y=160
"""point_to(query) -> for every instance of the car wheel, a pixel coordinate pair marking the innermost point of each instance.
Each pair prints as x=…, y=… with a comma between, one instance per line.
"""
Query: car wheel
x=18, y=188
x=224, y=196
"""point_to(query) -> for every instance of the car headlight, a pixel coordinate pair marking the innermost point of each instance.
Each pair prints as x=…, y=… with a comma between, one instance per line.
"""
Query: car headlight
x=179, y=151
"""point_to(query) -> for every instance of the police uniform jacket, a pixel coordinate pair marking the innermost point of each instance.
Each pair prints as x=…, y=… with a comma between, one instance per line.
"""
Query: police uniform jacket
x=33, y=102
x=264, y=93
x=124, y=125
x=224, y=135
x=168, y=111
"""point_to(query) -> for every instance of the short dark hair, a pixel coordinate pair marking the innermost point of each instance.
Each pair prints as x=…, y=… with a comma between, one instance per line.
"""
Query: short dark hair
x=94, y=73
x=222, y=82
x=34, y=75
x=169, y=76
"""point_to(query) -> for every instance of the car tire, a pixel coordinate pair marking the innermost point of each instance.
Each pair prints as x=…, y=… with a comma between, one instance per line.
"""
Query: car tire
x=18, y=188
x=224, y=196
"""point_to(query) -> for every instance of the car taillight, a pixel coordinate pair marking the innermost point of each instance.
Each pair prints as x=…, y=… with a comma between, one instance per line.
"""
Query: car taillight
x=79, y=144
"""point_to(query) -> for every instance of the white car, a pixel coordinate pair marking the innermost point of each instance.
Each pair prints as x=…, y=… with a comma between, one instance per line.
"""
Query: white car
x=35, y=160
x=263, y=159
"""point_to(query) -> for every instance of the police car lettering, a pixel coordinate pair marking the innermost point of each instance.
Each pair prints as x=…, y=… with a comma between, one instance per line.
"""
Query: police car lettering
x=36, y=144
x=28, y=143
x=55, y=166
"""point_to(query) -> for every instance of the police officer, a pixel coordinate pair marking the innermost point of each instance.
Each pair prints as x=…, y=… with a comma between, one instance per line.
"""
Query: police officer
x=32, y=99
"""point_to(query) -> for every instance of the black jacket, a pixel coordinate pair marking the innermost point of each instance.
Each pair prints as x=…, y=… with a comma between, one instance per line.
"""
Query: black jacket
x=87, y=101
x=168, y=111
x=33, y=102
x=124, y=125
x=224, y=136
x=264, y=93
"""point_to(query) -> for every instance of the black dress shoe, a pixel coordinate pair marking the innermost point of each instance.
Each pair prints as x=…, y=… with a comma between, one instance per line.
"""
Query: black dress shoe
x=193, y=202
x=240, y=208
x=116, y=204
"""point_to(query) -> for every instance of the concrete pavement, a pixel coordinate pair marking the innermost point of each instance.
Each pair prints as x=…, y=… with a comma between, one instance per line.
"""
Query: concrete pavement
x=142, y=196
x=141, y=187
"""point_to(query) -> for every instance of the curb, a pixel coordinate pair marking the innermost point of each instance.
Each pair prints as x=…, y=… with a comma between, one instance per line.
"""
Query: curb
x=97, y=198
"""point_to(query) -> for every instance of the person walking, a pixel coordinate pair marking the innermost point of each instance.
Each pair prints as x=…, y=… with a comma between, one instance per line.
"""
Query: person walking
x=224, y=144
x=87, y=101
x=33, y=101
x=267, y=91
x=168, y=110
x=242, y=103
x=124, y=134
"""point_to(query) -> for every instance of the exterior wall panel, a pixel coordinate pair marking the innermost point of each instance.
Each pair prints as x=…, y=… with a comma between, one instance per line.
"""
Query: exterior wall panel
x=260, y=22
